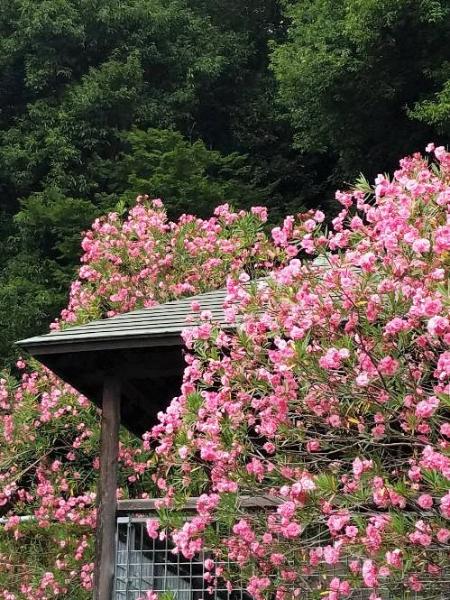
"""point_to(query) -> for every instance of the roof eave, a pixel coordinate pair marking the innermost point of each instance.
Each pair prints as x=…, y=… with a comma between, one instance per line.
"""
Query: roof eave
x=41, y=348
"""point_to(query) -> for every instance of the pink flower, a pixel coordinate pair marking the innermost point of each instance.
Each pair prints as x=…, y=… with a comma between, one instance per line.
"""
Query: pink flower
x=183, y=452
x=367, y=262
x=414, y=583
x=360, y=466
x=354, y=566
x=443, y=535
x=438, y=325
x=331, y=555
x=333, y=358
x=369, y=574
x=152, y=527
x=341, y=588
x=362, y=380
x=260, y=212
x=445, y=505
x=443, y=366
x=388, y=365
x=445, y=429
x=313, y=446
x=425, y=501
x=337, y=522
x=421, y=245
x=426, y=408
x=421, y=535
x=292, y=530
x=442, y=239
x=394, y=558
x=277, y=558
x=257, y=585
x=351, y=531
x=396, y=325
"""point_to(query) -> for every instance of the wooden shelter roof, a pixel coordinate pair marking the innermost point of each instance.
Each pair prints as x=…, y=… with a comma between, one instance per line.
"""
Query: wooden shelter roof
x=159, y=325
x=142, y=348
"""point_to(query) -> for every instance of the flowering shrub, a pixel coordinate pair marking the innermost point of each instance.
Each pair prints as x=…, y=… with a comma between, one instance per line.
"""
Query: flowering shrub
x=330, y=392
x=145, y=260
x=49, y=434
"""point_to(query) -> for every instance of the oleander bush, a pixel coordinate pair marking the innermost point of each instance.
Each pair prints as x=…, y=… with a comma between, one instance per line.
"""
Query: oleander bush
x=328, y=391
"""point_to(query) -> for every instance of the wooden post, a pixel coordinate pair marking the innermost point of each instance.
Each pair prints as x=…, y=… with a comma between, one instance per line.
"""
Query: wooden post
x=107, y=490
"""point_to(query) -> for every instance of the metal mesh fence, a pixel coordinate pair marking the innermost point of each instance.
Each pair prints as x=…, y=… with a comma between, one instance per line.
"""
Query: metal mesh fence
x=144, y=565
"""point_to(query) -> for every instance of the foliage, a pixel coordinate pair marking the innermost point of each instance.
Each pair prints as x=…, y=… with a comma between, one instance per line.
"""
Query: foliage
x=437, y=110
x=75, y=79
x=30, y=291
x=45, y=236
x=198, y=102
x=351, y=74
x=356, y=83
x=331, y=396
x=49, y=434
x=195, y=179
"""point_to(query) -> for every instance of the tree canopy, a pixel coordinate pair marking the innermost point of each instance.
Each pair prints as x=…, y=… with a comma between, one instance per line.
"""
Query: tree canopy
x=78, y=82
x=364, y=81
x=274, y=99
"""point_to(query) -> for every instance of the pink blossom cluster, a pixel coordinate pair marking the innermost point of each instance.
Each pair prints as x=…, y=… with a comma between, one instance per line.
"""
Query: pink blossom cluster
x=49, y=433
x=329, y=392
x=146, y=259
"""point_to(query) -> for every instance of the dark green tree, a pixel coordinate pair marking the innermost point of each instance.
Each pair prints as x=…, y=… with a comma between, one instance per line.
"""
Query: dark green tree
x=83, y=72
x=198, y=101
x=76, y=76
x=186, y=175
x=355, y=77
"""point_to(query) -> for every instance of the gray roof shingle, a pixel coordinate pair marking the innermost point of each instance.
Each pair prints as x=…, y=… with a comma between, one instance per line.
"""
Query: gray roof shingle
x=161, y=321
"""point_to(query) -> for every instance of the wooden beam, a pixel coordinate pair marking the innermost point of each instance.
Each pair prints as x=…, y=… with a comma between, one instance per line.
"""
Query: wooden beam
x=149, y=504
x=107, y=490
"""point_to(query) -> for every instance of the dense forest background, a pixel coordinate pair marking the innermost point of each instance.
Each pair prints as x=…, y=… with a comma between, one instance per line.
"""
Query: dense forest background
x=198, y=102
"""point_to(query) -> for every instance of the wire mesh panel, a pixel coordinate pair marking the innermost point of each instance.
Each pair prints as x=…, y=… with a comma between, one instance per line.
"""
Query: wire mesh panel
x=144, y=564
